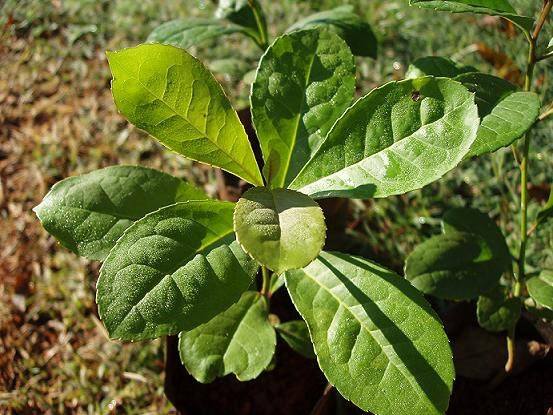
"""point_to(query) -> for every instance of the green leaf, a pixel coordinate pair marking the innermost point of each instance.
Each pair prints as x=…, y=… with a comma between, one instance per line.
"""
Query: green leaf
x=540, y=288
x=497, y=312
x=347, y=24
x=172, y=271
x=473, y=221
x=88, y=213
x=280, y=228
x=398, y=138
x=243, y=13
x=377, y=340
x=454, y=266
x=240, y=340
x=304, y=83
x=436, y=66
x=191, y=32
x=546, y=211
x=500, y=8
x=168, y=93
x=296, y=335
x=276, y=282
x=506, y=114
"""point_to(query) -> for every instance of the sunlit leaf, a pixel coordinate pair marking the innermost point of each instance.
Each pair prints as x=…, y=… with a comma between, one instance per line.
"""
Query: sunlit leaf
x=540, y=288
x=436, y=66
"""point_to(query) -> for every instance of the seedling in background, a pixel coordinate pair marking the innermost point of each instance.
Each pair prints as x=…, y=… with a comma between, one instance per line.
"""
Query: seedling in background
x=175, y=261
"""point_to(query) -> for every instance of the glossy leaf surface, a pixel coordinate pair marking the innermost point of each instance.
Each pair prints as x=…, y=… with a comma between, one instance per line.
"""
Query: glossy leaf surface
x=397, y=138
x=490, y=7
x=172, y=271
x=506, y=114
x=280, y=228
x=240, y=340
x=347, y=24
x=296, y=335
x=191, y=32
x=88, y=213
x=377, y=340
x=540, y=288
x=304, y=83
x=436, y=66
x=168, y=93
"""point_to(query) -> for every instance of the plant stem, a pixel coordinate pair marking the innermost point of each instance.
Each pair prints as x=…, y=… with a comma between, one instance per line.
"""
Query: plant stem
x=265, y=286
x=261, y=28
x=519, y=279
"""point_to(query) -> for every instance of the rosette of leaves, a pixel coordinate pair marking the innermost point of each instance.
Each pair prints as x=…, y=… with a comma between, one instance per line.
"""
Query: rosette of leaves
x=178, y=262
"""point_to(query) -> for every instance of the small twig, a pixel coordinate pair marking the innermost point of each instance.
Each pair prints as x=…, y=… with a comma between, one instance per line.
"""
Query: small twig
x=321, y=403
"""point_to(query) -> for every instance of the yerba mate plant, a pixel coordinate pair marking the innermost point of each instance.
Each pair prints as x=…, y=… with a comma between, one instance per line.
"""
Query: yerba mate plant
x=175, y=261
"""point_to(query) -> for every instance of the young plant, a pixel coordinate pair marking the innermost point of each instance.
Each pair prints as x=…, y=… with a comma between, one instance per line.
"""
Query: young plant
x=471, y=259
x=175, y=261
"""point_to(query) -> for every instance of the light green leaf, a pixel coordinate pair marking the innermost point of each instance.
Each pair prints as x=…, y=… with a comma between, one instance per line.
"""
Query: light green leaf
x=243, y=13
x=172, y=271
x=304, y=83
x=473, y=221
x=88, y=213
x=347, y=24
x=540, y=288
x=168, y=93
x=454, y=266
x=240, y=340
x=490, y=7
x=296, y=335
x=436, y=66
x=497, y=312
x=398, y=138
x=191, y=32
x=377, y=340
x=280, y=228
x=276, y=282
x=546, y=211
x=506, y=114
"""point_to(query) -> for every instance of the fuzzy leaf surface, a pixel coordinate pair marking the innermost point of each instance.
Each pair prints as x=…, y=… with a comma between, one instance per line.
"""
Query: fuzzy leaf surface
x=304, y=82
x=240, y=340
x=173, y=270
x=540, y=288
x=168, y=93
x=357, y=33
x=500, y=8
x=399, y=137
x=88, y=213
x=376, y=338
x=280, y=228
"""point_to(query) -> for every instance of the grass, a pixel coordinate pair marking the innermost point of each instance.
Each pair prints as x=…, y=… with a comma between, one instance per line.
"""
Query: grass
x=57, y=119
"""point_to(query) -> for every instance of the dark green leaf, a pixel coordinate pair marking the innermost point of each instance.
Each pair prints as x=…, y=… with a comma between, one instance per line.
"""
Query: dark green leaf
x=497, y=312
x=243, y=13
x=473, y=221
x=546, y=211
x=490, y=7
x=455, y=266
x=280, y=228
x=296, y=334
x=172, y=271
x=377, y=340
x=398, y=138
x=506, y=114
x=540, y=288
x=168, y=93
x=436, y=66
x=88, y=213
x=240, y=340
x=347, y=24
x=191, y=32
x=304, y=83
